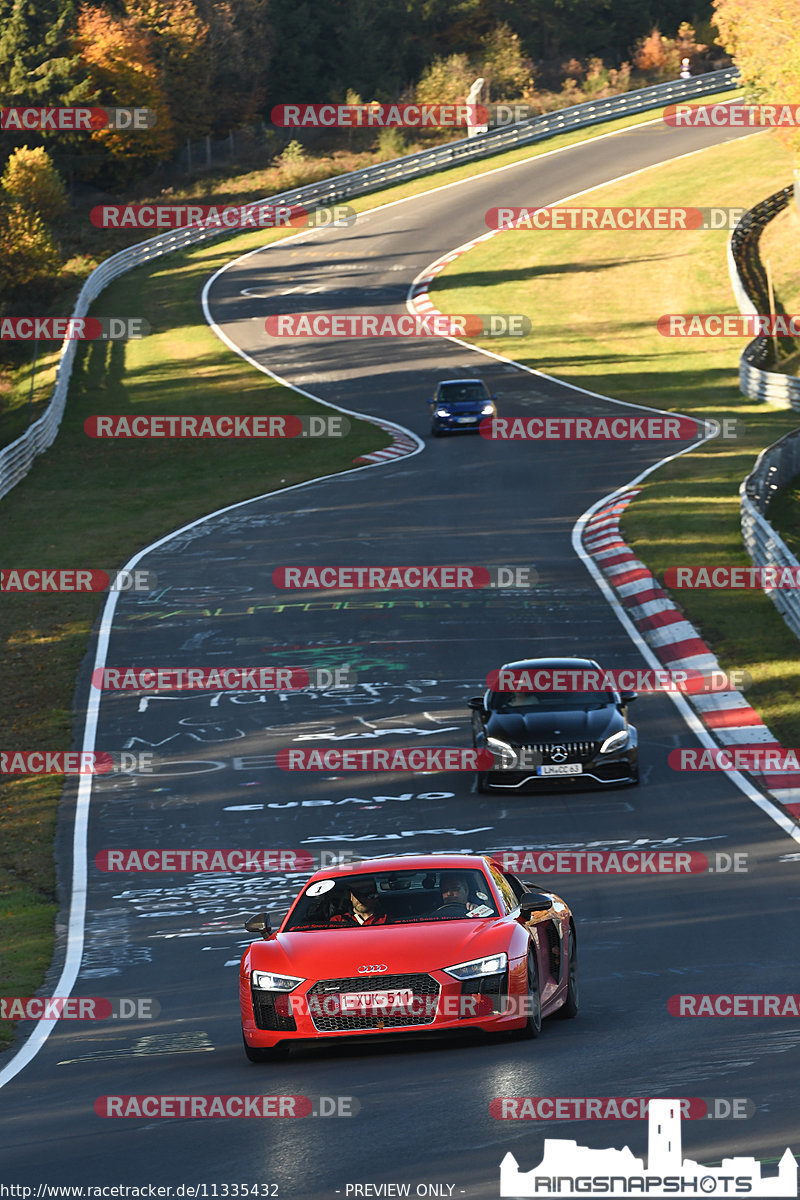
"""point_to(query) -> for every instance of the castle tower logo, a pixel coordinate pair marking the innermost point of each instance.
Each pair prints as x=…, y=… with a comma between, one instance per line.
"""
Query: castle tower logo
x=568, y=1169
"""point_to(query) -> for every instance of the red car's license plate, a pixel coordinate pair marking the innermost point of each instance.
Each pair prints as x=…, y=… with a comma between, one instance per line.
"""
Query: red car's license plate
x=367, y=1001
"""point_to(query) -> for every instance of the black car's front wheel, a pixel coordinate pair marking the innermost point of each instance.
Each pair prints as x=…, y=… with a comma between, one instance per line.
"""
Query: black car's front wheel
x=482, y=782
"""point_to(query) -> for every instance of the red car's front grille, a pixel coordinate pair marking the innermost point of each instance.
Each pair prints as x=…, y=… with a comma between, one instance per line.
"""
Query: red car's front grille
x=424, y=987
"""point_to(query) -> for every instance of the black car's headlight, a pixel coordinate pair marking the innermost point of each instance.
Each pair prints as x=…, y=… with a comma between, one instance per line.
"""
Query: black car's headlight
x=617, y=741
x=501, y=750
x=267, y=981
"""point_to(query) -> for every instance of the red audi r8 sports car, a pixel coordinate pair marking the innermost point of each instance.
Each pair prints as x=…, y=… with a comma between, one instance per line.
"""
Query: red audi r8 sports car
x=407, y=945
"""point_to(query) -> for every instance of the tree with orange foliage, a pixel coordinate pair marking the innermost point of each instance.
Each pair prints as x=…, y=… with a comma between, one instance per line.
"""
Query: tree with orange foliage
x=119, y=57
x=764, y=41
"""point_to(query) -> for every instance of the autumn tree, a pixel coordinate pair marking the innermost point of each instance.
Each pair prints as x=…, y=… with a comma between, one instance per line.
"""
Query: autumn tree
x=508, y=73
x=120, y=59
x=32, y=181
x=764, y=42
x=178, y=47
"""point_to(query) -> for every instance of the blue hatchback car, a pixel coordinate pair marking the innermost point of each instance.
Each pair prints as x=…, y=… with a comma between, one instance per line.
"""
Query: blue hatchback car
x=460, y=405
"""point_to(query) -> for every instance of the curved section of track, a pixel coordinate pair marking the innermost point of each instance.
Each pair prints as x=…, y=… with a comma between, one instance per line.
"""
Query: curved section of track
x=424, y=1115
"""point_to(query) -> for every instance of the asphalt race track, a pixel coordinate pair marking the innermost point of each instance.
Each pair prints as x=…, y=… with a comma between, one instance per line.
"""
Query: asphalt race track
x=424, y=1116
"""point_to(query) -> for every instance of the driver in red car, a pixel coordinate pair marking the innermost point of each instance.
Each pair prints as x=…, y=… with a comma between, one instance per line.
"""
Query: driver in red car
x=365, y=906
x=456, y=891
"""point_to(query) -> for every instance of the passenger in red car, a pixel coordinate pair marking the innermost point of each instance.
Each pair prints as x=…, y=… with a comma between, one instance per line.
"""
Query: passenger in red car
x=365, y=907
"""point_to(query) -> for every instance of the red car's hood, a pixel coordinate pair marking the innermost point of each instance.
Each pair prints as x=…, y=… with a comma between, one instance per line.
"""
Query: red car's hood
x=339, y=953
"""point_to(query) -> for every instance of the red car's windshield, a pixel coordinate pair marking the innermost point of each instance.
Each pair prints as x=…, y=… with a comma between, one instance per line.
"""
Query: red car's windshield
x=392, y=898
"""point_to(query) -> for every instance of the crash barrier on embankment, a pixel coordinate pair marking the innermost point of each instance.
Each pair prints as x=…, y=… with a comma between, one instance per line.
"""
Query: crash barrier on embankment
x=17, y=458
x=749, y=282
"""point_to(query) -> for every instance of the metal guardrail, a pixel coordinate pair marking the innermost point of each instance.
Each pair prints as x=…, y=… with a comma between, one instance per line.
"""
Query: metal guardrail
x=17, y=458
x=775, y=468
x=749, y=281
x=777, y=465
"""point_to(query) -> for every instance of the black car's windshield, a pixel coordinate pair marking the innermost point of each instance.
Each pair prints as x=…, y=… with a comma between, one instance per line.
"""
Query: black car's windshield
x=522, y=702
x=392, y=898
x=456, y=393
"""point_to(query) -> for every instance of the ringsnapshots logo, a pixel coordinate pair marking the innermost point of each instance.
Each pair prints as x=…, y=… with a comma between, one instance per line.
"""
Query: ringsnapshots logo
x=59, y=329
x=123, y=426
x=378, y=116
x=70, y=119
x=569, y=1170
x=212, y=216
x=644, y=218
x=404, y=578
x=397, y=325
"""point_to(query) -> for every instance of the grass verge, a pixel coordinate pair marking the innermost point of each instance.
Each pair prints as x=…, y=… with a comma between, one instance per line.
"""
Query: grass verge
x=609, y=289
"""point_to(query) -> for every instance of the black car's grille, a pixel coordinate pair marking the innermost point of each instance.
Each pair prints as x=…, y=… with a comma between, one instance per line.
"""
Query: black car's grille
x=582, y=752
x=271, y=1010
x=327, y=1020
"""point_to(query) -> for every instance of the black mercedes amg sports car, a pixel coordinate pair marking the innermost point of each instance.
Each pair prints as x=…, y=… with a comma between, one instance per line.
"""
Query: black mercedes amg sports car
x=554, y=737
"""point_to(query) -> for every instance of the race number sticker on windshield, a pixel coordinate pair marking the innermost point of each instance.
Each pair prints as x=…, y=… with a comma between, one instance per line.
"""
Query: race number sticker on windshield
x=320, y=887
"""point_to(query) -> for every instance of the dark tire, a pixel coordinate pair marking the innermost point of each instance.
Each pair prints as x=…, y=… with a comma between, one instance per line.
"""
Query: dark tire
x=435, y=432
x=569, y=1008
x=261, y=1054
x=533, y=1025
x=481, y=786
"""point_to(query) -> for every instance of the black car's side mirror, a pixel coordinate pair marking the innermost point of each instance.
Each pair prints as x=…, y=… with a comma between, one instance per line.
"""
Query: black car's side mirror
x=476, y=702
x=626, y=697
x=533, y=902
x=260, y=923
